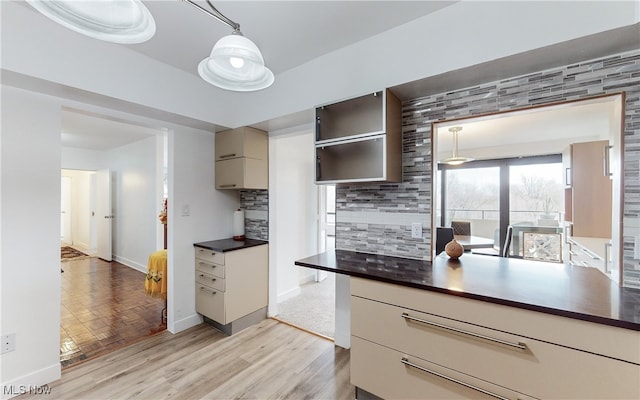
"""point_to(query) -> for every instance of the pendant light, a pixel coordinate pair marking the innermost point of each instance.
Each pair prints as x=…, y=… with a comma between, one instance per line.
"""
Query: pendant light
x=456, y=159
x=235, y=62
x=118, y=21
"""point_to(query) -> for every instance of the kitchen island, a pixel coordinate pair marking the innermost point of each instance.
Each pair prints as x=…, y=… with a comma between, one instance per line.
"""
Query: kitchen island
x=509, y=327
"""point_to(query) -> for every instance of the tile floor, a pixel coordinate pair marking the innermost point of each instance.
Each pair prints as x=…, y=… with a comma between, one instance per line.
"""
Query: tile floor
x=104, y=307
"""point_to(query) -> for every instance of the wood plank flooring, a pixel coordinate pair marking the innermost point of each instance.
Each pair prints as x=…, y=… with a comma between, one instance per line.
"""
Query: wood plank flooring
x=103, y=307
x=269, y=360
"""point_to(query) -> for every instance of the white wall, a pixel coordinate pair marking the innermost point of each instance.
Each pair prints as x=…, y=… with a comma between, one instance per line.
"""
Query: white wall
x=134, y=201
x=191, y=184
x=30, y=241
x=293, y=205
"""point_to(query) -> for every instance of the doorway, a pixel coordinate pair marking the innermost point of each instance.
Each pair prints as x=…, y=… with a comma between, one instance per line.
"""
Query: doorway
x=117, y=171
x=313, y=309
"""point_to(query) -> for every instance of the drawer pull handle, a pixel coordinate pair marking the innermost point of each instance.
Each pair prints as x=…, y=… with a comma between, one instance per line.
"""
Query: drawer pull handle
x=519, y=345
x=228, y=155
x=226, y=186
x=202, y=289
x=406, y=362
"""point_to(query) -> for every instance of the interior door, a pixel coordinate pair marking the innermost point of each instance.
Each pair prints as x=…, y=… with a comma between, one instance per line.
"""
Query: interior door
x=104, y=213
x=65, y=210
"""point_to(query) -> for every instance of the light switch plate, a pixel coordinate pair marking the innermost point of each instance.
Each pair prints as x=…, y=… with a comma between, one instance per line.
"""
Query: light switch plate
x=416, y=230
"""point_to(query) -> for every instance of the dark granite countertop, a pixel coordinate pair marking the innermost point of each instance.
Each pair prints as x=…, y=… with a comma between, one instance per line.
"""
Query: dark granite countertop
x=224, y=245
x=573, y=292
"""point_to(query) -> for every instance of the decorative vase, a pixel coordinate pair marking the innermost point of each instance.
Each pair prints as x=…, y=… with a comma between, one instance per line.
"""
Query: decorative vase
x=454, y=249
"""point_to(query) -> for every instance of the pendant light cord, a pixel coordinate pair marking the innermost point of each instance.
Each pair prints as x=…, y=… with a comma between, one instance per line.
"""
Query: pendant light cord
x=217, y=15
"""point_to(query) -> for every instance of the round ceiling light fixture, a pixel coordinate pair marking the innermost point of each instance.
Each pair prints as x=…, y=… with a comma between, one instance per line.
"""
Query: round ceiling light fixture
x=118, y=21
x=236, y=64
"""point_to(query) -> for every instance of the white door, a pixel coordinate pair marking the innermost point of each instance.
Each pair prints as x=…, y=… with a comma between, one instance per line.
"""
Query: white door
x=65, y=211
x=103, y=213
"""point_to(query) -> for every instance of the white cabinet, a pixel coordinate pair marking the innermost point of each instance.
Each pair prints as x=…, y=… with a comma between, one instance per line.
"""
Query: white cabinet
x=359, y=140
x=407, y=342
x=230, y=285
x=242, y=159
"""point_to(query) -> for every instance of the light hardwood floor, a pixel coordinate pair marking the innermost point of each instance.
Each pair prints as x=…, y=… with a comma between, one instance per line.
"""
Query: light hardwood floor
x=269, y=360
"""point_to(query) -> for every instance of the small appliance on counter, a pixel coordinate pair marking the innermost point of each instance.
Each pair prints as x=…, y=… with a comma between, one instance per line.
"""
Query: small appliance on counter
x=238, y=224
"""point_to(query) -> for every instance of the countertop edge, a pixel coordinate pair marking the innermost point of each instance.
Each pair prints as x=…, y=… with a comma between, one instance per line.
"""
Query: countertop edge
x=219, y=245
x=510, y=303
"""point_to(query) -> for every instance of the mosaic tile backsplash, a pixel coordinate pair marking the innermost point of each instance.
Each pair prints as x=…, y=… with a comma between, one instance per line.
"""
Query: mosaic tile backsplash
x=255, y=204
x=385, y=231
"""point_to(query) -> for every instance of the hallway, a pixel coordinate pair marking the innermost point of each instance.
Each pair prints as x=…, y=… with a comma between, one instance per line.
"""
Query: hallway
x=103, y=308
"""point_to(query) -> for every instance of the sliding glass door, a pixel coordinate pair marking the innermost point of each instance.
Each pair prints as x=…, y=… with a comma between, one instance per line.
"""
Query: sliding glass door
x=524, y=193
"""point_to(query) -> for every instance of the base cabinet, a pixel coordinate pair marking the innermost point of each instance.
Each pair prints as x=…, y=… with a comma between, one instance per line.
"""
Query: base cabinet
x=230, y=285
x=408, y=343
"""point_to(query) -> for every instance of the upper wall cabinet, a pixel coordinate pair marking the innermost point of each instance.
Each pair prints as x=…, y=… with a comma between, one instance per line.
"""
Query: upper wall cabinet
x=242, y=159
x=359, y=140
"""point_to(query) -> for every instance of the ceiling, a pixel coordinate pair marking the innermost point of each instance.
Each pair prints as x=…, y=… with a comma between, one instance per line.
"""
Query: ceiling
x=90, y=131
x=530, y=132
x=289, y=33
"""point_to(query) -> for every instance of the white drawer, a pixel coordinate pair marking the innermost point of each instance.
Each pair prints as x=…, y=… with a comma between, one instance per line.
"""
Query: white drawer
x=623, y=344
x=210, y=255
x=211, y=281
x=517, y=362
x=395, y=375
x=210, y=303
x=210, y=268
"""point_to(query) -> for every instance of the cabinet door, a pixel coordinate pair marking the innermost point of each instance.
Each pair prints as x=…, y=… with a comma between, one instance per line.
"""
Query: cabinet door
x=242, y=173
x=241, y=142
x=592, y=190
x=361, y=160
x=351, y=118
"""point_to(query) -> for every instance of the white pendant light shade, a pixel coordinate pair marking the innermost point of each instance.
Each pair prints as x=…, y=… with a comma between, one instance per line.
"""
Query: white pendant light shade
x=455, y=158
x=119, y=21
x=236, y=64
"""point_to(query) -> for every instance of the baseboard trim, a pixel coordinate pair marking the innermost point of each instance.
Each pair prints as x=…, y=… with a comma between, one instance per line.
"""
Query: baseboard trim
x=33, y=383
x=131, y=264
x=185, y=323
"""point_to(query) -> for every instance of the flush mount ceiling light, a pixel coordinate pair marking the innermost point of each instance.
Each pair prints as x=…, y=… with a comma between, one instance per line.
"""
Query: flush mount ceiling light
x=235, y=62
x=456, y=159
x=118, y=21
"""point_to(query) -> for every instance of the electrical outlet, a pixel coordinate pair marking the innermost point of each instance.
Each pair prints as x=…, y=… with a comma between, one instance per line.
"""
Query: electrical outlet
x=8, y=343
x=416, y=230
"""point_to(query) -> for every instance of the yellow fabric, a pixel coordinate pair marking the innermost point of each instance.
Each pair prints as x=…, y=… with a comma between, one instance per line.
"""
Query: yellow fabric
x=155, y=285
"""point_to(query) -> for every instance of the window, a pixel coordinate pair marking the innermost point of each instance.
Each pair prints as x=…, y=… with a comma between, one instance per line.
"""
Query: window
x=493, y=194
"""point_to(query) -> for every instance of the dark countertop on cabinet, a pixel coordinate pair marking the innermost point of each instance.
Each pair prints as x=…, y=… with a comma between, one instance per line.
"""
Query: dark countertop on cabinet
x=224, y=245
x=568, y=291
